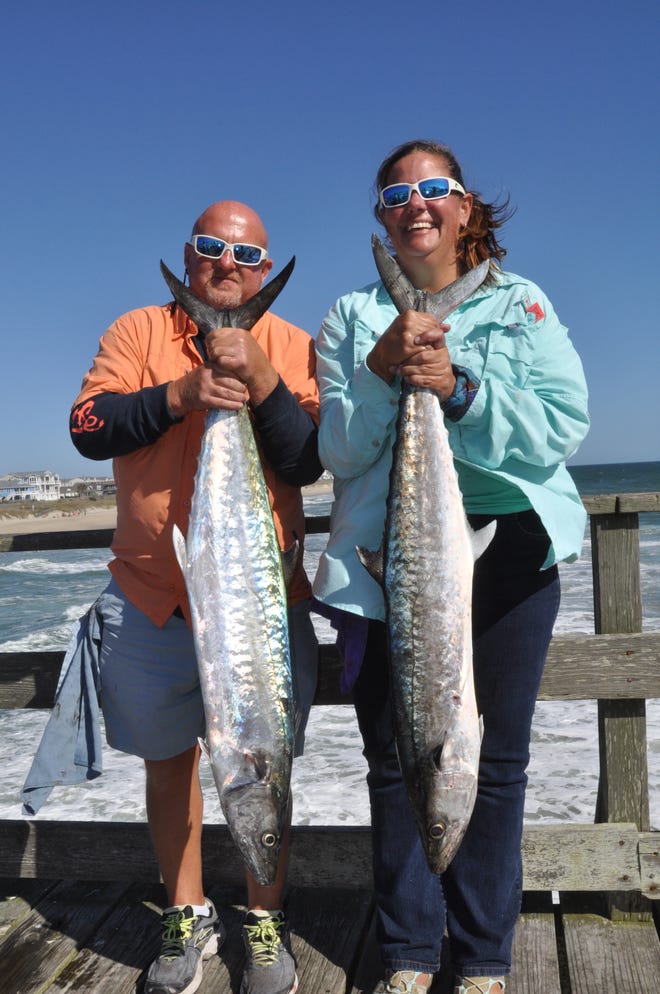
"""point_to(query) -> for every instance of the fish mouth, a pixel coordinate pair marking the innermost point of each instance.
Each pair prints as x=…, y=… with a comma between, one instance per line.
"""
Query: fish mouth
x=255, y=815
x=450, y=801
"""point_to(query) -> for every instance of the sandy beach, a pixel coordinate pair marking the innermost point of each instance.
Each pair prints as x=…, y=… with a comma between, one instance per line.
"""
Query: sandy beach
x=58, y=521
x=91, y=517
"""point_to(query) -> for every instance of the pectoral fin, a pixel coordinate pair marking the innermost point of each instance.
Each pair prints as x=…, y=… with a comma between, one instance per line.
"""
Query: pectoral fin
x=372, y=560
x=481, y=540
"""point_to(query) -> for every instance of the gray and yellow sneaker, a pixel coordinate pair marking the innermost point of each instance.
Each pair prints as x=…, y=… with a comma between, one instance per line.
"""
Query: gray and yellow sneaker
x=188, y=939
x=269, y=966
x=404, y=982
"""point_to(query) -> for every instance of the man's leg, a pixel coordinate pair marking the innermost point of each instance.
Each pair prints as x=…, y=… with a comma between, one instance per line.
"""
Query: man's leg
x=270, y=967
x=174, y=810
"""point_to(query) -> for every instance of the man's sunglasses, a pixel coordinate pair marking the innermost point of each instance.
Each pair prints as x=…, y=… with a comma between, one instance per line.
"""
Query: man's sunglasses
x=214, y=248
x=434, y=188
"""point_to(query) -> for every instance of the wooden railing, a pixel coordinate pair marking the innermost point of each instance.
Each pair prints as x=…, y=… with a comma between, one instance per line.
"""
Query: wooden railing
x=618, y=666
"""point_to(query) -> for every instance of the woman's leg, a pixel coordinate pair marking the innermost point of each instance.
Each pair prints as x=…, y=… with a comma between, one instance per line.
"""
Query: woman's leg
x=410, y=906
x=514, y=609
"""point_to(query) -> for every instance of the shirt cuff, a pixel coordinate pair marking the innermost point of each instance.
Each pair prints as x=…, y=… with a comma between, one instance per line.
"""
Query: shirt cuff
x=458, y=404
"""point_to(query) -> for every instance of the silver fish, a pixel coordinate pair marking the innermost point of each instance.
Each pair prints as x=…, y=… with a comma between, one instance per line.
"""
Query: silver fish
x=234, y=576
x=427, y=563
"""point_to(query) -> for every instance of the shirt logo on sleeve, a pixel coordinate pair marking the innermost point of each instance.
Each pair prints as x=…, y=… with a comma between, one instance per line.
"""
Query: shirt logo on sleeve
x=534, y=309
x=83, y=419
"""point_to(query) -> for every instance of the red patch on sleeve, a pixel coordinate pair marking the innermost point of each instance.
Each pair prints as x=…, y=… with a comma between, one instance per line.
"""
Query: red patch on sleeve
x=536, y=310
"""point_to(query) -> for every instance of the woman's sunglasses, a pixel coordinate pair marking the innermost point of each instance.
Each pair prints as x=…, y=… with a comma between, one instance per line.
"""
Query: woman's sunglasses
x=214, y=248
x=434, y=188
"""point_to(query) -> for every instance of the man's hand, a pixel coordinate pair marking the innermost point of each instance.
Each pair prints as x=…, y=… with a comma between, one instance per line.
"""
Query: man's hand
x=237, y=370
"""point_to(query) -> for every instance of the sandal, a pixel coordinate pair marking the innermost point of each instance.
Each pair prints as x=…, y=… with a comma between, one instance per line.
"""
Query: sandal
x=478, y=985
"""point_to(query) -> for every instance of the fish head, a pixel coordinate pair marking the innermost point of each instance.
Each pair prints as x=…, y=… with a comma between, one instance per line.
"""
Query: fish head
x=445, y=817
x=256, y=816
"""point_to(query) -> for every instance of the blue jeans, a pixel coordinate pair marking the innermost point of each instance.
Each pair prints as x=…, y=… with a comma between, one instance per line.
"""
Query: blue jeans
x=478, y=897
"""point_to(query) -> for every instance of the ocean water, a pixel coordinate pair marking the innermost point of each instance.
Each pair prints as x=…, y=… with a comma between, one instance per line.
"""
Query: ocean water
x=43, y=594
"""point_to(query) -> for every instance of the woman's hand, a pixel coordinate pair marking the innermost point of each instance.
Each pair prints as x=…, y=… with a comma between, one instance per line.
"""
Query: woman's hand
x=414, y=348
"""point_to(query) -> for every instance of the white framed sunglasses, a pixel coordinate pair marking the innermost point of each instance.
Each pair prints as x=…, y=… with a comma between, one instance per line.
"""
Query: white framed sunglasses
x=242, y=253
x=433, y=188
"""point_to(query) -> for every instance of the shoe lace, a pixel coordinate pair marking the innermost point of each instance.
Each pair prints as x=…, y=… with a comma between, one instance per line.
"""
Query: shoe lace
x=403, y=982
x=264, y=937
x=482, y=985
x=177, y=927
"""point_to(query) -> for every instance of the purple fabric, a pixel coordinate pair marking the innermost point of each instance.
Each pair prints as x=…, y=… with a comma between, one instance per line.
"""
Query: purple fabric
x=352, y=630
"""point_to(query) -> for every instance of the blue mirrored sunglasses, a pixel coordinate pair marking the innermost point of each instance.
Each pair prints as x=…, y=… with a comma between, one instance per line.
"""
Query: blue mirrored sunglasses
x=434, y=188
x=214, y=248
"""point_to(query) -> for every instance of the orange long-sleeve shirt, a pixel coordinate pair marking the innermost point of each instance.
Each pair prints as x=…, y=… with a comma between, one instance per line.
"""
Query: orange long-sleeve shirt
x=147, y=348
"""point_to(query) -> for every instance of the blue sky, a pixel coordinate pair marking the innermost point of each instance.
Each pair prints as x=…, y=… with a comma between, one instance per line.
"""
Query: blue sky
x=122, y=121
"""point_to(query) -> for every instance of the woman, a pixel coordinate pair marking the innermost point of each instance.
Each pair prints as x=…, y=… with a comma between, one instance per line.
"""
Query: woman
x=513, y=392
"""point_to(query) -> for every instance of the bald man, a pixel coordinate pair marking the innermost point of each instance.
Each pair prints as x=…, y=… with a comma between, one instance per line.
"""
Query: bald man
x=143, y=404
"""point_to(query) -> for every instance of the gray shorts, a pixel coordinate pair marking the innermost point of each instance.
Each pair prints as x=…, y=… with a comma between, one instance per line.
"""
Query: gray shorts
x=150, y=692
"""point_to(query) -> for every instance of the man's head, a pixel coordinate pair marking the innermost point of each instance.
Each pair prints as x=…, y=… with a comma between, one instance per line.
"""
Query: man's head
x=224, y=282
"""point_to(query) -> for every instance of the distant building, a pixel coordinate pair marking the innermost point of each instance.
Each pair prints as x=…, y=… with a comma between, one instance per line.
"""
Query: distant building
x=35, y=485
x=102, y=486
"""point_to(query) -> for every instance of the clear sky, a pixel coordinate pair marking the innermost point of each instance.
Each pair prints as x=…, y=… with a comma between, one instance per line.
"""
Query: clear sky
x=122, y=121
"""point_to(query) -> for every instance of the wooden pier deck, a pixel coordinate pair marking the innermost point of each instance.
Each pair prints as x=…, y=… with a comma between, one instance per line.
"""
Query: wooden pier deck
x=80, y=901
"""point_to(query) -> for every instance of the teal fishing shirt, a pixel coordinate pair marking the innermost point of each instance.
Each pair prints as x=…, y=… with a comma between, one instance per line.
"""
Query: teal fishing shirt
x=527, y=416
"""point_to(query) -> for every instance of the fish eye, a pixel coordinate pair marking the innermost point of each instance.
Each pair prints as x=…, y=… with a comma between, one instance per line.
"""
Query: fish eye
x=269, y=839
x=437, y=831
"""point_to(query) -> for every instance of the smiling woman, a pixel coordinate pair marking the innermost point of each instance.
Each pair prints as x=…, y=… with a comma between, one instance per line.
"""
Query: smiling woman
x=512, y=392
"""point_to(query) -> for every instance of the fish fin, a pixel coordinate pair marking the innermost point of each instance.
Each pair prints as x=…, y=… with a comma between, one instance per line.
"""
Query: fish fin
x=261, y=765
x=403, y=294
x=406, y=297
x=481, y=540
x=290, y=561
x=442, y=303
x=372, y=560
x=203, y=745
x=244, y=316
x=481, y=728
x=180, y=550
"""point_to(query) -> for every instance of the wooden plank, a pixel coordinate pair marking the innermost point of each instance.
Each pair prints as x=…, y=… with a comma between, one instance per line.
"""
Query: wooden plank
x=573, y=857
x=623, y=784
x=534, y=965
x=579, y=667
x=569, y=857
x=616, y=576
x=604, y=956
x=117, y=953
x=327, y=936
x=588, y=667
x=621, y=503
x=627, y=503
x=90, y=538
x=338, y=856
x=29, y=679
x=17, y=896
x=47, y=939
x=623, y=791
x=649, y=864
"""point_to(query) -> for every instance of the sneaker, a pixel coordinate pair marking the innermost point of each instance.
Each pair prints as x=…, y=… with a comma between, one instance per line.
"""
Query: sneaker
x=405, y=982
x=188, y=939
x=270, y=967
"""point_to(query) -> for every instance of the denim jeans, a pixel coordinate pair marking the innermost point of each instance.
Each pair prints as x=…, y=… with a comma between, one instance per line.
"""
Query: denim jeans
x=478, y=897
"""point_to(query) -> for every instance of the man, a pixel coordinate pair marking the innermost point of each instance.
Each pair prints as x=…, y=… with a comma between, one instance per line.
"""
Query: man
x=143, y=403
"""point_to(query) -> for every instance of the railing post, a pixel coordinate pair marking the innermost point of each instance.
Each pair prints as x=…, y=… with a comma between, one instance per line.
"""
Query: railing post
x=623, y=785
